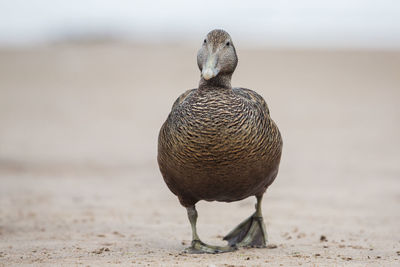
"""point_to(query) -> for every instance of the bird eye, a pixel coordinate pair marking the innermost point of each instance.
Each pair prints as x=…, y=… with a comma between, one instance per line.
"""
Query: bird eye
x=228, y=43
x=205, y=41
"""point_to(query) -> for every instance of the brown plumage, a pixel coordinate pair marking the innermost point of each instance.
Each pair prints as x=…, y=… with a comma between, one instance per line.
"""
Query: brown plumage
x=218, y=142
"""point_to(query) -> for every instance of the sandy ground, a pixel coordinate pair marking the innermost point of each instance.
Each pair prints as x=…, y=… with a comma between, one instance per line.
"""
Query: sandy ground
x=79, y=179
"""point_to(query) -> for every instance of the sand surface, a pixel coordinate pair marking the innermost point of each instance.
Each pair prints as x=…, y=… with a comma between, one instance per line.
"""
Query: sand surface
x=79, y=182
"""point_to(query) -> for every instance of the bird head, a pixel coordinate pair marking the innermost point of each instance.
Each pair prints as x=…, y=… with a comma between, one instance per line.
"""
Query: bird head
x=217, y=55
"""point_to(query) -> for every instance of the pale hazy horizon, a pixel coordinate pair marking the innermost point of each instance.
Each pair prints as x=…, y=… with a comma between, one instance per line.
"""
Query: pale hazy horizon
x=356, y=24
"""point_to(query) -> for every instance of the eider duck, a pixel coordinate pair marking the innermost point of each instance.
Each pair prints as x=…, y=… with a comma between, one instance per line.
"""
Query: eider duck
x=220, y=144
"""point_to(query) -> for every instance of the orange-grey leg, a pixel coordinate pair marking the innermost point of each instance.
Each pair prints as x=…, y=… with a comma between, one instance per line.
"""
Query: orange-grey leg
x=251, y=232
x=197, y=245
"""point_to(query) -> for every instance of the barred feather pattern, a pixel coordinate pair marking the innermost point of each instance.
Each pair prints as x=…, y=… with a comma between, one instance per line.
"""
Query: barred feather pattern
x=219, y=144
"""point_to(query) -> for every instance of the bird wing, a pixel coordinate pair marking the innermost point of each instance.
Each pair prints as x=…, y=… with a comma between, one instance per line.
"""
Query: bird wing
x=251, y=96
x=182, y=98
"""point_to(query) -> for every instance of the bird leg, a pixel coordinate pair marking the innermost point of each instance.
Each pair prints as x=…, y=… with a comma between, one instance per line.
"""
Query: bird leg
x=198, y=246
x=251, y=232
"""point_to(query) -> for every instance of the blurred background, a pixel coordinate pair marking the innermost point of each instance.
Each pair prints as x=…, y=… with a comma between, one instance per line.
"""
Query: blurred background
x=86, y=85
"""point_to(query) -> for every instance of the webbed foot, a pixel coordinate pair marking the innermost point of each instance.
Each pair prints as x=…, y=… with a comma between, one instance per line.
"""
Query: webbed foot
x=199, y=247
x=249, y=233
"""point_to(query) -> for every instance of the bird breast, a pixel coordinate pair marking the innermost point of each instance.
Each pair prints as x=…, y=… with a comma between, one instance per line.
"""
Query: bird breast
x=217, y=130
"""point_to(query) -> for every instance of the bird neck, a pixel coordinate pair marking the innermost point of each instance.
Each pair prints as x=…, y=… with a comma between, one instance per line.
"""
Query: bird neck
x=221, y=80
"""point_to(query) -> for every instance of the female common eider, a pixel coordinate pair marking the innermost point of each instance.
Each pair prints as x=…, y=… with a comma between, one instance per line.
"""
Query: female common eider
x=220, y=143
